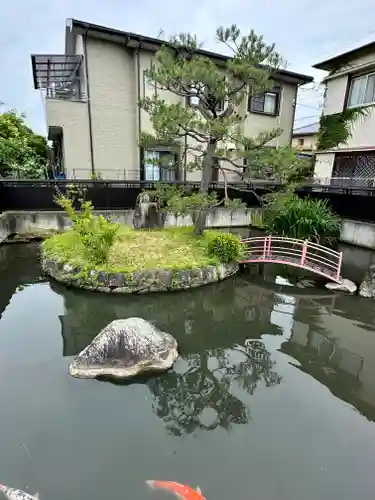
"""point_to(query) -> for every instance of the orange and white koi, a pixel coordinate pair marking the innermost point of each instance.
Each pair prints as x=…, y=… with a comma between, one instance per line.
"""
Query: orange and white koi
x=181, y=491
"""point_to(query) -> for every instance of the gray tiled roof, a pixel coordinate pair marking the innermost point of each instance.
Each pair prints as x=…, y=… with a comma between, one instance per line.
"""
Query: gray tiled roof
x=312, y=128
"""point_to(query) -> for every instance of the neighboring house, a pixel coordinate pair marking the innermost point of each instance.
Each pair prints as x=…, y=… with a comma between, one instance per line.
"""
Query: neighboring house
x=91, y=104
x=350, y=83
x=304, y=138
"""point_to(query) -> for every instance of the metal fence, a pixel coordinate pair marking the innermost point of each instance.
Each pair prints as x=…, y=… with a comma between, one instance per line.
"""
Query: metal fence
x=345, y=181
x=108, y=195
x=38, y=195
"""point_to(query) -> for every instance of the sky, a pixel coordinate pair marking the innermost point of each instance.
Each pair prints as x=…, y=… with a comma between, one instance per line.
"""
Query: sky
x=304, y=31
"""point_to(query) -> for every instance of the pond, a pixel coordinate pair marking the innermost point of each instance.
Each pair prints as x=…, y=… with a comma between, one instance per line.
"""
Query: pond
x=273, y=396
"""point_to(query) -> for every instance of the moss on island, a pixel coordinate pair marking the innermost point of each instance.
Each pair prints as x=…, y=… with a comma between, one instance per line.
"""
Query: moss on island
x=142, y=260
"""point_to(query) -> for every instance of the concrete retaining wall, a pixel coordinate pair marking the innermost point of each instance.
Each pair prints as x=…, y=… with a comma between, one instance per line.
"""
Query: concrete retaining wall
x=5, y=227
x=357, y=233
x=29, y=222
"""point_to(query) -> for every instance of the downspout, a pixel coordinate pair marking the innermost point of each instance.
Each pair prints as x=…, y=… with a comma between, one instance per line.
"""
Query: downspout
x=185, y=159
x=294, y=114
x=88, y=102
x=140, y=149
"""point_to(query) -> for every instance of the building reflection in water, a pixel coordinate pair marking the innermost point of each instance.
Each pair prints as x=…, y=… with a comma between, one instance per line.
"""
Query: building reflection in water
x=228, y=336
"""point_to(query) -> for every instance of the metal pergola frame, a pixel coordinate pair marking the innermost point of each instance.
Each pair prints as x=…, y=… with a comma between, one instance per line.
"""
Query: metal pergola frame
x=55, y=69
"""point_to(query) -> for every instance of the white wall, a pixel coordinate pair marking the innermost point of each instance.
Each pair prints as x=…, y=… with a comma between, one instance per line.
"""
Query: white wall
x=363, y=133
x=324, y=165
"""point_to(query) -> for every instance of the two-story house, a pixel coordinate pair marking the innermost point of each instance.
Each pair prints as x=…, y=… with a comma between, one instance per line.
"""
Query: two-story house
x=305, y=138
x=350, y=83
x=92, y=113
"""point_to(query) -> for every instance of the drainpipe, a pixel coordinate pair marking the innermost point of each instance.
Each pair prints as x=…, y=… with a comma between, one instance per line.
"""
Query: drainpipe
x=294, y=113
x=185, y=159
x=140, y=155
x=88, y=101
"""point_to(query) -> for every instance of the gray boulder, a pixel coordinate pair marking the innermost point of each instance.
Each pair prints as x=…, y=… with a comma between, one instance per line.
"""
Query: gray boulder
x=304, y=283
x=345, y=285
x=125, y=348
x=367, y=287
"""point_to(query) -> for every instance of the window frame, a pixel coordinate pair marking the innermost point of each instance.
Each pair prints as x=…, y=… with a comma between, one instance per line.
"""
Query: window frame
x=350, y=86
x=219, y=108
x=276, y=91
x=192, y=96
x=159, y=173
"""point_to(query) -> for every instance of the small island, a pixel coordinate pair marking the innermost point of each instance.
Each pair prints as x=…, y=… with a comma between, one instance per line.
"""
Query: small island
x=98, y=254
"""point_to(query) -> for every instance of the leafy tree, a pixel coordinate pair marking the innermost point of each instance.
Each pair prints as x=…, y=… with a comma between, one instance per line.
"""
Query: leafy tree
x=209, y=131
x=22, y=152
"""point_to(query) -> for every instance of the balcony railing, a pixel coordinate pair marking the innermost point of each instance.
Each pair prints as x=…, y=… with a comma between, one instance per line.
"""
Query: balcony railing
x=66, y=93
x=345, y=181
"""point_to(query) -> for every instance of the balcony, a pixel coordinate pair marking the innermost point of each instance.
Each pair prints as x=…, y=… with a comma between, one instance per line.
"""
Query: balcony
x=59, y=76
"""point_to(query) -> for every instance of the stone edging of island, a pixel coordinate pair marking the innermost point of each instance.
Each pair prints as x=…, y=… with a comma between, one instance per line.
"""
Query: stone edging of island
x=156, y=280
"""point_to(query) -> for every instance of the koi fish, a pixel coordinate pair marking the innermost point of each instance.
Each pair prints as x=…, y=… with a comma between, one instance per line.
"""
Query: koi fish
x=181, y=491
x=13, y=494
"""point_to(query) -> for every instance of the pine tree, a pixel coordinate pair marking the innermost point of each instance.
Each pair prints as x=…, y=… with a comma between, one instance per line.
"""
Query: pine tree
x=205, y=123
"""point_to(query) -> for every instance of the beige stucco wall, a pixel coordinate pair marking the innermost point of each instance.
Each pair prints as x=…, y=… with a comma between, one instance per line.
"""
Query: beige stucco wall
x=335, y=95
x=113, y=85
x=309, y=142
x=72, y=117
x=112, y=81
x=256, y=123
x=364, y=62
x=363, y=133
x=253, y=125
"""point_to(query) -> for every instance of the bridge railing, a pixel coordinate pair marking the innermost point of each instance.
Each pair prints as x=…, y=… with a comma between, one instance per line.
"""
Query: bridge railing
x=301, y=253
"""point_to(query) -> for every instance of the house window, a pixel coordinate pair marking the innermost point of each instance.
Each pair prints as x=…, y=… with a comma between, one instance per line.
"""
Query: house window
x=159, y=166
x=193, y=99
x=301, y=142
x=149, y=86
x=362, y=90
x=220, y=106
x=267, y=102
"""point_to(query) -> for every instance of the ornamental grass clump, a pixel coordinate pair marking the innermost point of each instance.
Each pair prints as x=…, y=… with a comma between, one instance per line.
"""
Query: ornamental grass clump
x=305, y=219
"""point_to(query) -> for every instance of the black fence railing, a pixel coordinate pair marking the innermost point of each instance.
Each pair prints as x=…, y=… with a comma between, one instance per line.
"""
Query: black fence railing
x=38, y=195
x=110, y=195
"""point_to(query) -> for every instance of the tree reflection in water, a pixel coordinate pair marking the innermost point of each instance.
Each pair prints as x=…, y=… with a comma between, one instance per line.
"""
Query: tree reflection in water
x=201, y=397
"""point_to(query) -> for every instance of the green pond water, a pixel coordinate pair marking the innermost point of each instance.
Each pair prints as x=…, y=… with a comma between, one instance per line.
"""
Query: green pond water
x=272, y=398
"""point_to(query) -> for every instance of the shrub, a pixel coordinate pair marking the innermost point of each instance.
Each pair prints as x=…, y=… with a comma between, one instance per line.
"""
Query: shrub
x=226, y=246
x=302, y=219
x=96, y=234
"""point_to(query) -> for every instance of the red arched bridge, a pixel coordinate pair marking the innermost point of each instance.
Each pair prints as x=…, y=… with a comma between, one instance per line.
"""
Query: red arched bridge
x=298, y=253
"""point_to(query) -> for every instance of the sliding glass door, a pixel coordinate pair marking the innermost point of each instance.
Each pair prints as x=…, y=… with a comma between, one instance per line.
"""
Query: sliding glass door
x=159, y=166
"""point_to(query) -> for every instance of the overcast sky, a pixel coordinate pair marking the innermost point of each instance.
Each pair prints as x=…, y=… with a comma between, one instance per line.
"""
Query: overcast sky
x=305, y=31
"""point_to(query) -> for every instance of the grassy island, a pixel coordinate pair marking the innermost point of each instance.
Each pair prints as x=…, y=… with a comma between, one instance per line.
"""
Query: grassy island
x=135, y=250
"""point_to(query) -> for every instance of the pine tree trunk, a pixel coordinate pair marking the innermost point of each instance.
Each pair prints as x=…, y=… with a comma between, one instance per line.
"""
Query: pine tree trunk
x=208, y=162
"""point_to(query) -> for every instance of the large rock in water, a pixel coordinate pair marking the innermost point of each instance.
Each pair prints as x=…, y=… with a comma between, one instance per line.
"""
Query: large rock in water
x=345, y=285
x=125, y=348
x=367, y=287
